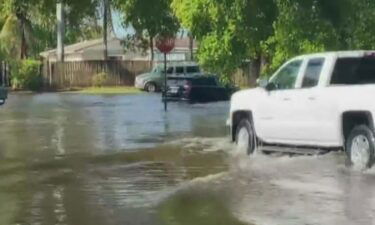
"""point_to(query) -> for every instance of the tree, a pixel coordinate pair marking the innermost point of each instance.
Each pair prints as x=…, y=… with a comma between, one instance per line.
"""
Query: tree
x=358, y=27
x=305, y=26
x=29, y=26
x=16, y=34
x=232, y=31
x=300, y=28
x=229, y=31
x=149, y=18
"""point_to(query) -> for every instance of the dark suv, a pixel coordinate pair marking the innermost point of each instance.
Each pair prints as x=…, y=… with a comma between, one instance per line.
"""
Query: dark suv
x=197, y=89
x=3, y=95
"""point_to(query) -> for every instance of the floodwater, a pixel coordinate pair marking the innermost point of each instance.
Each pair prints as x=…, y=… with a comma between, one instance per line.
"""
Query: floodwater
x=72, y=159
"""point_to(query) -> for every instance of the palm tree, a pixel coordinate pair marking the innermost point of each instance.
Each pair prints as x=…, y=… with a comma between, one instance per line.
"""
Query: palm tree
x=16, y=35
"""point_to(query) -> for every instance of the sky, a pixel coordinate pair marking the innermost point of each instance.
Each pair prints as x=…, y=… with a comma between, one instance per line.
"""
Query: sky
x=120, y=30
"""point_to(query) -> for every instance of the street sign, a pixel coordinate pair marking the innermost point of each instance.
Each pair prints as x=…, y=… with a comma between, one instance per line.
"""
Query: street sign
x=165, y=45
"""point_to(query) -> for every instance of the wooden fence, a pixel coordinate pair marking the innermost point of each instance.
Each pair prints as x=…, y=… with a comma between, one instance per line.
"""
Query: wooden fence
x=243, y=77
x=121, y=73
x=80, y=74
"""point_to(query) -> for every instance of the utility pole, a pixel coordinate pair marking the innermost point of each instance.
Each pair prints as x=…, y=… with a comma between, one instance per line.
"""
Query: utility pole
x=165, y=83
x=191, y=45
x=105, y=28
x=60, y=30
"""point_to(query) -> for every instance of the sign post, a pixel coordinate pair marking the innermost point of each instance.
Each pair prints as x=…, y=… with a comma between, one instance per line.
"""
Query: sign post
x=165, y=45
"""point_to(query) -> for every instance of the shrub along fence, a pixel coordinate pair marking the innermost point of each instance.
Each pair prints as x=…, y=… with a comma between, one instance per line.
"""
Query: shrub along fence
x=83, y=74
x=26, y=75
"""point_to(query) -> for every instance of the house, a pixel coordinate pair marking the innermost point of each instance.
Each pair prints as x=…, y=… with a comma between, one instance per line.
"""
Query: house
x=87, y=51
x=93, y=50
x=181, y=51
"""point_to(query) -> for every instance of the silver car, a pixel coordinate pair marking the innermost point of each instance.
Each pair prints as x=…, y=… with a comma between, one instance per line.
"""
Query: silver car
x=154, y=80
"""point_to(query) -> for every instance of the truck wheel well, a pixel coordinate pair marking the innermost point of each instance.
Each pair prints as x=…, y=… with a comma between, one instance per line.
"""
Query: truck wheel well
x=352, y=119
x=236, y=119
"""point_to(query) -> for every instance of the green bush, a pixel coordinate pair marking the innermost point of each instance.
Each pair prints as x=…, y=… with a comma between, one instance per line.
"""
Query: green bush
x=25, y=75
x=100, y=79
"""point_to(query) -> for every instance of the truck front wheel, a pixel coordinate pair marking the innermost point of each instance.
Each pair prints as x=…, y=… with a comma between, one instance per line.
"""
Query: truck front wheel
x=151, y=87
x=245, y=138
x=360, y=146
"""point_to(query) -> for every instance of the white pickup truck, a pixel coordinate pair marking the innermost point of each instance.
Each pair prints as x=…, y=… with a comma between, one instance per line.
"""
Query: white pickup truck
x=322, y=101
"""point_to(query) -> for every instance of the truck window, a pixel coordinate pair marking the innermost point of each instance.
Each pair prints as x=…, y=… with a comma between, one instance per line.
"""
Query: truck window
x=192, y=69
x=354, y=71
x=179, y=70
x=313, y=71
x=286, y=78
x=169, y=70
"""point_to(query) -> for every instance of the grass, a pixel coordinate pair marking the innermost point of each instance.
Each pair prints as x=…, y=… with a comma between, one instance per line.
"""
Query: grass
x=107, y=90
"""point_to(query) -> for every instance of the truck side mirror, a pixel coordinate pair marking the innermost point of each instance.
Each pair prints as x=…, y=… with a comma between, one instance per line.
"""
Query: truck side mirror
x=263, y=83
x=271, y=86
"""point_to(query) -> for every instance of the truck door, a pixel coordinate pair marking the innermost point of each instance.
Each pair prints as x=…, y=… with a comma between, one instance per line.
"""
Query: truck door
x=316, y=115
x=276, y=112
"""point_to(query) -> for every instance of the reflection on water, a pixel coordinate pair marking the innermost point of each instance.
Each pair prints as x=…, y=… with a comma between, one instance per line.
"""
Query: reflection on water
x=197, y=207
x=114, y=189
x=76, y=159
x=55, y=124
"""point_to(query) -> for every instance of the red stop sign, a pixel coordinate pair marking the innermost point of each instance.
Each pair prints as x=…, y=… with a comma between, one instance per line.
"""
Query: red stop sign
x=165, y=44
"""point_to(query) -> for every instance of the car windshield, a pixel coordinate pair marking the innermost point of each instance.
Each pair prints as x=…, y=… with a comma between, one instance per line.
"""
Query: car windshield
x=158, y=68
x=354, y=71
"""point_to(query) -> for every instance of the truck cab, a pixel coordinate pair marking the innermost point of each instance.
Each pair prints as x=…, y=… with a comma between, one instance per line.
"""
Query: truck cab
x=312, y=102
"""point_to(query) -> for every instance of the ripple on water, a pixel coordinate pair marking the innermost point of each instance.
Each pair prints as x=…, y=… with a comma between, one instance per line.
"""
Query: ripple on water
x=269, y=189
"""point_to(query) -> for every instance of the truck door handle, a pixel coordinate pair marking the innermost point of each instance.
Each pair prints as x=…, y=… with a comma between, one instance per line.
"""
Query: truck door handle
x=286, y=99
x=312, y=98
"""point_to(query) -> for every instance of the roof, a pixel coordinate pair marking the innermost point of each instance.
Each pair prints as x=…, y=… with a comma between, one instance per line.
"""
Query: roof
x=89, y=48
x=96, y=44
x=185, y=43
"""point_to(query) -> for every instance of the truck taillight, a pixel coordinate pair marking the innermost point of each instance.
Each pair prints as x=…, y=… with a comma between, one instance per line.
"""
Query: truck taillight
x=187, y=86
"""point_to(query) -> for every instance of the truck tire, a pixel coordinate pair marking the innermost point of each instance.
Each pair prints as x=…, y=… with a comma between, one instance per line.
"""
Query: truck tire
x=360, y=146
x=245, y=138
x=150, y=87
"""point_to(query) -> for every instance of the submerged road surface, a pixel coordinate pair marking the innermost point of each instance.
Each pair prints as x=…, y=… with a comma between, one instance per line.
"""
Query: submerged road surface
x=85, y=159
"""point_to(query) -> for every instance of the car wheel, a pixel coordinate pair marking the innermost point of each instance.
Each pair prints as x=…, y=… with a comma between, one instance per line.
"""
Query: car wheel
x=245, y=138
x=360, y=147
x=150, y=87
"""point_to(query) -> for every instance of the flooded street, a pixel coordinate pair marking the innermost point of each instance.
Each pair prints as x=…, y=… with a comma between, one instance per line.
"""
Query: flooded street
x=71, y=159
